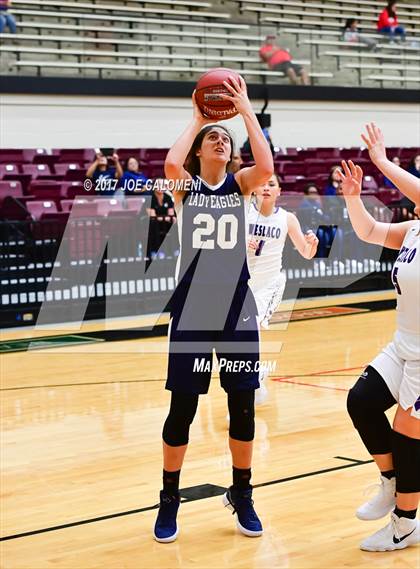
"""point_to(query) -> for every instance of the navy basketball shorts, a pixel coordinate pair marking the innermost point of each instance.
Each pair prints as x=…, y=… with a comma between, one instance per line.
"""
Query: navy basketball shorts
x=215, y=318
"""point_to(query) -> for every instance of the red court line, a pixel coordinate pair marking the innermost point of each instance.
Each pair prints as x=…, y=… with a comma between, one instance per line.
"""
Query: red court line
x=315, y=373
x=313, y=385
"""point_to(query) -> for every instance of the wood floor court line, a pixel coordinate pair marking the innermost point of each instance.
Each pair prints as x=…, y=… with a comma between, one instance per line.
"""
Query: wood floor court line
x=354, y=462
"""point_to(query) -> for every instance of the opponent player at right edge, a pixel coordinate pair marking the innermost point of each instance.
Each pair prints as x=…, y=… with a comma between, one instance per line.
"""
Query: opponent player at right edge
x=394, y=375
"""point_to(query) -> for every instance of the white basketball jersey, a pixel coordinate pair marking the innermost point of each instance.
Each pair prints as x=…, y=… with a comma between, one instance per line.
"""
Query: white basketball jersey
x=406, y=279
x=270, y=232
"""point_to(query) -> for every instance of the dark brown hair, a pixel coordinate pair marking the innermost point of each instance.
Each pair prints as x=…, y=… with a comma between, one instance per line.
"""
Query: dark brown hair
x=391, y=12
x=192, y=162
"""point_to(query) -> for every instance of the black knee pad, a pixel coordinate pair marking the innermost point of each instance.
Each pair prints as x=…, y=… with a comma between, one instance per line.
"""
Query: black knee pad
x=406, y=457
x=242, y=415
x=367, y=402
x=181, y=414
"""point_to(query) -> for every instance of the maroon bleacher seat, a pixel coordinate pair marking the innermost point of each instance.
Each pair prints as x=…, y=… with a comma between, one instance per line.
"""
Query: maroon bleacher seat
x=408, y=153
x=106, y=205
x=154, y=169
x=76, y=175
x=75, y=154
x=61, y=168
x=388, y=196
x=328, y=153
x=349, y=153
x=10, y=188
x=24, y=179
x=37, y=208
x=149, y=154
x=295, y=168
x=36, y=170
x=45, y=189
x=135, y=204
x=15, y=155
x=44, y=158
x=8, y=170
x=124, y=153
x=369, y=183
x=81, y=208
x=71, y=189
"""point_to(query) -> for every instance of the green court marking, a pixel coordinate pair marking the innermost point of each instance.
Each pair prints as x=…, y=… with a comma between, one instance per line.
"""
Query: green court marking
x=45, y=343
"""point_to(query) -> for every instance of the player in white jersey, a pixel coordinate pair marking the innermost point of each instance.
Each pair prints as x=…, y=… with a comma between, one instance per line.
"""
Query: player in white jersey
x=268, y=227
x=393, y=377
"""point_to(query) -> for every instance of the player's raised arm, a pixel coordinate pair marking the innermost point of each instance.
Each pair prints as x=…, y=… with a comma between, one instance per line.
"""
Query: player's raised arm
x=305, y=243
x=175, y=159
x=365, y=226
x=408, y=184
x=249, y=178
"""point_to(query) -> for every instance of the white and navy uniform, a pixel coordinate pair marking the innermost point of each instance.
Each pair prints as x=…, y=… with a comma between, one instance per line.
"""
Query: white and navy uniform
x=265, y=263
x=399, y=361
x=212, y=306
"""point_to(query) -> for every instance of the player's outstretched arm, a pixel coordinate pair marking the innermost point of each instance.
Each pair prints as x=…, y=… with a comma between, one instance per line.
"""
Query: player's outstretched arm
x=175, y=159
x=249, y=178
x=408, y=184
x=305, y=243
x=365, y=226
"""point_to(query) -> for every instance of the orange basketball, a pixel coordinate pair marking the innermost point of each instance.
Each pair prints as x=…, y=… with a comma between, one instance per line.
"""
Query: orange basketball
x=208, y=90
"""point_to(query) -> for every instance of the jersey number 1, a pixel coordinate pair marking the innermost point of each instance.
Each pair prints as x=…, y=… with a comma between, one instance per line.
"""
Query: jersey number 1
x=395, y=280
x=226, y=235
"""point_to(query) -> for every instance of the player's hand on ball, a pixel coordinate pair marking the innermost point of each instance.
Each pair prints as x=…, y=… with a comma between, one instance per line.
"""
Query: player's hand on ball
x=351, y=180
x=198, y=115
x=374, y=140
x=238, y=96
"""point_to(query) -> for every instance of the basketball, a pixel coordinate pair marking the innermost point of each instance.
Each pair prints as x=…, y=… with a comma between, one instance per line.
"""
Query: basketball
x=208, y=90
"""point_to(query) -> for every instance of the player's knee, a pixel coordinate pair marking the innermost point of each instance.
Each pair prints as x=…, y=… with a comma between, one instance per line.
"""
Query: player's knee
x=356, y=405
x=242, y=415
x=406, y=456
x=368, y=395
x=176, y=429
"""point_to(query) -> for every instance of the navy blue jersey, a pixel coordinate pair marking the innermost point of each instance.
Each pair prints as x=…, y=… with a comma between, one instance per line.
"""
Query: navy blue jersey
x=213, y=234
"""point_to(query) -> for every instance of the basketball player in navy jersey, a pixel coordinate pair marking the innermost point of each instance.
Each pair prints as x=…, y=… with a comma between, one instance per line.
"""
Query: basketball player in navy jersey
x=393, y=377
x=212, y=307
x=268, y=227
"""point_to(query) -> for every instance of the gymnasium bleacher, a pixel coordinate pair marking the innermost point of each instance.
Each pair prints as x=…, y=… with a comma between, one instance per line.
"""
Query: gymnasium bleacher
x=43, y=200
x=48, y=219
x=178, y=40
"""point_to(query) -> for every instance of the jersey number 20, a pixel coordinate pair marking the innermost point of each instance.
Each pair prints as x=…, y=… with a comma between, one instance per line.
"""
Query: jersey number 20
x=226, y=231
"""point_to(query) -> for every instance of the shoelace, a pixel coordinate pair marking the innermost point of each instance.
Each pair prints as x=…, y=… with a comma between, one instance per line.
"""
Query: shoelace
x=244, y=501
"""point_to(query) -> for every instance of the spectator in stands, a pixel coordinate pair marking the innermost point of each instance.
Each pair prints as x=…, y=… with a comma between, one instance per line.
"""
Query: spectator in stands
x=132, y=179
x=414, y=166
x=386, y=182
x=235, y=163
x=333, y=183
x=162, y=203
x=279, y=59
x=351, y=34
x=312, y=216
x=161, y=206
x=6, y=19
x=102, y=169
x=388, y=23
